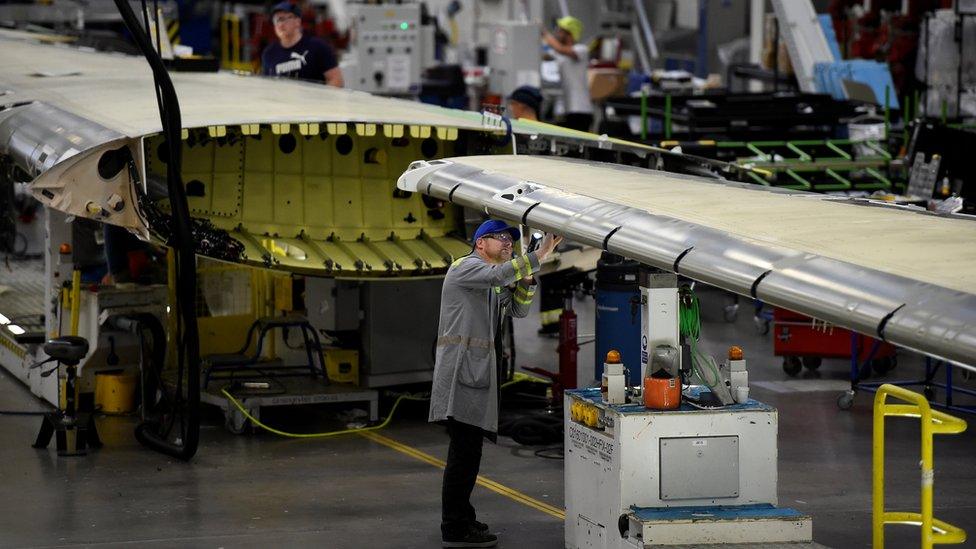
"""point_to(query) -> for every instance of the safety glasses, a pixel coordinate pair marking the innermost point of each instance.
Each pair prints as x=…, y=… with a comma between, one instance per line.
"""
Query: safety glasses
x=504, y=238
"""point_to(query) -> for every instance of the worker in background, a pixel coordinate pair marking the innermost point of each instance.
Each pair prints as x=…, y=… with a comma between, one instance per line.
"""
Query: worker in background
x=296, y=55
x=573, y=60
x=480, y=289
x=525, y=103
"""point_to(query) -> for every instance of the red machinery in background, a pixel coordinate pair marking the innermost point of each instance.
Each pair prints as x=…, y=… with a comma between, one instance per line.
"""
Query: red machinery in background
x=884, y=30
x=568, y=348
x=803, y=342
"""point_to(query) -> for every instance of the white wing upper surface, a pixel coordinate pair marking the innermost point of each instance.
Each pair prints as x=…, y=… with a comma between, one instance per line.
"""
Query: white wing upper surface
x=905, y=275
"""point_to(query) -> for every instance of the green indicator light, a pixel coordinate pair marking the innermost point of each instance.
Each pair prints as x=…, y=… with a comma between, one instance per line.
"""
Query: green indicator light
x=404, y=26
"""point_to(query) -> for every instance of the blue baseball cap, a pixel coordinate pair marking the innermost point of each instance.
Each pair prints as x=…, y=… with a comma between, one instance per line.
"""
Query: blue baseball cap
x=493, y=226
x=530, y=96
x=287, y=6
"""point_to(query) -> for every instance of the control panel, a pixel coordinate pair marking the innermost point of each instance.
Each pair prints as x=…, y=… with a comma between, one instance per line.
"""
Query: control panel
x=389, y=48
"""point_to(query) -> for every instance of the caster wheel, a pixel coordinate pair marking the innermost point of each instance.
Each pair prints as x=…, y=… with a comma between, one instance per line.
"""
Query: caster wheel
x=812, y=362
x=846, y=400
x=792, y=365
x=623, y=525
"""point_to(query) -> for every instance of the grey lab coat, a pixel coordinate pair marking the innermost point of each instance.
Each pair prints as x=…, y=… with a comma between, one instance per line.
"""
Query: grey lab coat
x=474, y=298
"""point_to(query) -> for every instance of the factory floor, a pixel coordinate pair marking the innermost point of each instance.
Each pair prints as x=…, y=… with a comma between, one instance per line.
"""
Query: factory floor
x=383, y=490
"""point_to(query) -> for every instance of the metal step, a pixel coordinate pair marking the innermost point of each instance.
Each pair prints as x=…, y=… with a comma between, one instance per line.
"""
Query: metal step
x=797, y=545
x=720, y=524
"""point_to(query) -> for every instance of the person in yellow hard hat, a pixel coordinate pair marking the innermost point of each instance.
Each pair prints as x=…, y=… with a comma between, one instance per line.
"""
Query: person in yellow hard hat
x=573, y=59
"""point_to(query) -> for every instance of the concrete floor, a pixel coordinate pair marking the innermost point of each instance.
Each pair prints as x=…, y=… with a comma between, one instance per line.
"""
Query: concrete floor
x=260, y=490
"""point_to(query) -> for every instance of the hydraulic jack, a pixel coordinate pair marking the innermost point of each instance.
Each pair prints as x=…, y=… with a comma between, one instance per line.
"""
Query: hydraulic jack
x=567, y=349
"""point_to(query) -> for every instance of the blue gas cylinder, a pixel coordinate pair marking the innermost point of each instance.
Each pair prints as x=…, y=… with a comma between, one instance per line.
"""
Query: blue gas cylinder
x=618, y=317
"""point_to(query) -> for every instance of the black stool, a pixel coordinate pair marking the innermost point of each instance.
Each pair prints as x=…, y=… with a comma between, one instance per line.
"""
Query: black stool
x=68, y=423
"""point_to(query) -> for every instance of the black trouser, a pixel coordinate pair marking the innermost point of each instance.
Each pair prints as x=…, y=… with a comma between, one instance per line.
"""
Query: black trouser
x=460, y=474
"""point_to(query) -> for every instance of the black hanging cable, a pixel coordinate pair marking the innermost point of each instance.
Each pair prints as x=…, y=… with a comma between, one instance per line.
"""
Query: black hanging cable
x=155, y=433
x=154, y=390
x=159, y=44
x=159, y=98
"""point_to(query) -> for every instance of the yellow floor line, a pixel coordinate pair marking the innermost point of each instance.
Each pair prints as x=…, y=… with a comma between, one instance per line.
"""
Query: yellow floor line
x=496, y=487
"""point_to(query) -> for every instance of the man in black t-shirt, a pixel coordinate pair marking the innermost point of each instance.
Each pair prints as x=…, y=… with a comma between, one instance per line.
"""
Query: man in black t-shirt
x=296, y=55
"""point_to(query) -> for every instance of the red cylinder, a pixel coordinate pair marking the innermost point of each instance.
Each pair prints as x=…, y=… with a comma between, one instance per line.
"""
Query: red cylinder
x=567, y=349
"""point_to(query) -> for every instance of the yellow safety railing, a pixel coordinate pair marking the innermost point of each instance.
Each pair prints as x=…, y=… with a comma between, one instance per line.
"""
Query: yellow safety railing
x=933, y=423
x=231, y=57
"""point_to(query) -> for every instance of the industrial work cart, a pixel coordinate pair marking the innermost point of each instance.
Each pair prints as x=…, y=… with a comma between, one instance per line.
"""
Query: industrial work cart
x=803, y=342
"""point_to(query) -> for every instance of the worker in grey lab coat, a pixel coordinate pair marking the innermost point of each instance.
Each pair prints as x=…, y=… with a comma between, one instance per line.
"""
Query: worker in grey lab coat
x=479, y=290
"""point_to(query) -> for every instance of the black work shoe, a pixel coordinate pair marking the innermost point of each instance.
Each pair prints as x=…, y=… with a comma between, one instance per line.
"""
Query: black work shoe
x=479, y=526
x=472, y=538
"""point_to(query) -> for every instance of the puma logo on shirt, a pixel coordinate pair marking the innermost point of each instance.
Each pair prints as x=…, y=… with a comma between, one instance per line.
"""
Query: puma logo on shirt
x=294, y=64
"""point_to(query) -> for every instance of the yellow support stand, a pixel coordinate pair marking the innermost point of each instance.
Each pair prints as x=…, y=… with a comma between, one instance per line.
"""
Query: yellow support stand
x=230, y=44
x=934, y=531
x=70, y=300
x=75, y=301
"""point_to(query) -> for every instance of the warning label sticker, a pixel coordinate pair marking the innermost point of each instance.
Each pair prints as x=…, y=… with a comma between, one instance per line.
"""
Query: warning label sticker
x=592, y=442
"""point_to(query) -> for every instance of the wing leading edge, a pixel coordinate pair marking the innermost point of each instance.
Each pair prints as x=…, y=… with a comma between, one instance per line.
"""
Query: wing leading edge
x=904, y=276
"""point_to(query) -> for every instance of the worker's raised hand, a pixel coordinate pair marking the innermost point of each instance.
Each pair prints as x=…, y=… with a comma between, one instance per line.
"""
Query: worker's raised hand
x=549, y=243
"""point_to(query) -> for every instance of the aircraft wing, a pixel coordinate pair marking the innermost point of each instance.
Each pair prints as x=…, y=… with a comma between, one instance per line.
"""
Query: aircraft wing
x=289, y=175
x=904, y=275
